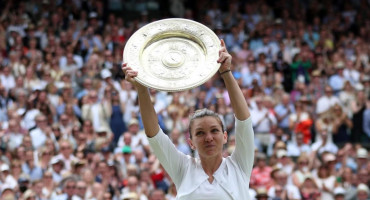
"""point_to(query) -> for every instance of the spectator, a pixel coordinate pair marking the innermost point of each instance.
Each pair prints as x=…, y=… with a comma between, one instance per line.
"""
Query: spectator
x=282, y=188
x=366, y=122
x=309, y=189
x=263, y=121
x=6, y=177
x=339, y=193
x=325, y=182
x=157, y=195
x=362, y=192
x=283, y=111
x=342, y=125
x=358, y=108
x=96, y=111
x=133, y=187
x=302, y=171
x=179, y=141
x=68, y=190
x=325, y=102
x=261, y=173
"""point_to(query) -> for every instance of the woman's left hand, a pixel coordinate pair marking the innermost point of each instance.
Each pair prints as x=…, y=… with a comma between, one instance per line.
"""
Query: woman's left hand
x=224, y=58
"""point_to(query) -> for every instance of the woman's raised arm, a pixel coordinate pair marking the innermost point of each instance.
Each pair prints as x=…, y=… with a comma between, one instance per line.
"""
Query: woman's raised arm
x=148, y=114
x=237, y=99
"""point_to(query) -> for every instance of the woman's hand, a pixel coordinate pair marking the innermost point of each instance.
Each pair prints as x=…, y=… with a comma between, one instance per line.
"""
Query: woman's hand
x=224, y=58
x=130, y=74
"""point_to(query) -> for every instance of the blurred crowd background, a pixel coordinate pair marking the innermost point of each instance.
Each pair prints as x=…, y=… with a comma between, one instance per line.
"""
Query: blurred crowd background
x=70, y=125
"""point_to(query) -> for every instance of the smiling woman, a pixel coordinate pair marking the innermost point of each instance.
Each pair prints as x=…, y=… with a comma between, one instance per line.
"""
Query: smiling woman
x=211, y=176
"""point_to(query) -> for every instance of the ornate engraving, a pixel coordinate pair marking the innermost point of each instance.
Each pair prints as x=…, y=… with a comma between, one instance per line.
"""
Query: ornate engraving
x=173, y=54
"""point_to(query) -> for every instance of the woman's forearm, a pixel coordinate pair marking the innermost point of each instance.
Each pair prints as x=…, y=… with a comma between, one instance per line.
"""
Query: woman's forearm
x=148, y=114
x=237, y=99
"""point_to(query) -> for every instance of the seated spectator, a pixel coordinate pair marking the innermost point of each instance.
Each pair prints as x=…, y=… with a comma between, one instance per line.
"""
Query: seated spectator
x=261, y=173
x=303, y=170
x=309, y=189
x=297, y=147
x=342, y=125
x=325, y=182
x=282, y=188
x=325, y=102
x=362, y=192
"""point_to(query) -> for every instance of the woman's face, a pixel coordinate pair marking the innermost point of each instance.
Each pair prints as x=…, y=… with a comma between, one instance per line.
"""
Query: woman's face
x=207, y=137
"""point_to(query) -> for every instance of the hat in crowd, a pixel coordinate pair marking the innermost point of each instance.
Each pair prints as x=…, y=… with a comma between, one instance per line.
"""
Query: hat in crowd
x=129, y=196
x=28, y=194
x=5, y=187
x=105, y=73
x=339, y=191
x=133, y=121
x=359, y=87
x=93, y=15
x=54, y=160
x=308, y=176
x=363, y=187
x=339, y=65
x=329, y=157
x=361, y=153
x=24, y=178
x=79, y=163
x=278, y=21
x=38, y=87
x=261, y=192
x=365, y=78
x=281, y=153
x=102, y=129
x=260, y=156
x=4, y=167
x=126, y=149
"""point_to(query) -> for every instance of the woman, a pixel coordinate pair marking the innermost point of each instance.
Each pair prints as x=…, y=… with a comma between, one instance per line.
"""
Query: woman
x=325, y=182
x=211, y=176
x=300, y=122
x=116, y=121
x=302, y=171
x=342, y=126
x=309, y=189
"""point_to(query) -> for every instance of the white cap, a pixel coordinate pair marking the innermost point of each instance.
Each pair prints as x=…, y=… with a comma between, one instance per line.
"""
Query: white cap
x=102, y=129
x=4, y=167
x=362, y=153
x=55, y=160
x=133, y=121
x=329, y=157
x=105, y=73
x=38, y=87
x=130, y=195
x=281, y=153
x=93, y=15
x=339, y=191
x=6, y=187
x=363, y=187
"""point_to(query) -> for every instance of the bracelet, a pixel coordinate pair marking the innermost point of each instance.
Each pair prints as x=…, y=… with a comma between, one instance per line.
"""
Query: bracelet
x=225, y=72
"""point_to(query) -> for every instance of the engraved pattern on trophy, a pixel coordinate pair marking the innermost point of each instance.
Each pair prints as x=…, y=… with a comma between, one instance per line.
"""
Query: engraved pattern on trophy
x=172, y=58
x=173, y=54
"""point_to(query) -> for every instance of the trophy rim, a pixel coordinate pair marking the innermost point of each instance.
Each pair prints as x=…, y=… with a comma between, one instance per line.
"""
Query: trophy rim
x=142, y=38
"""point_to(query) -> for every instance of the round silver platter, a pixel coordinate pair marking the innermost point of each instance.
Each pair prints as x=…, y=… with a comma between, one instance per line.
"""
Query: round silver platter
x=173, y=54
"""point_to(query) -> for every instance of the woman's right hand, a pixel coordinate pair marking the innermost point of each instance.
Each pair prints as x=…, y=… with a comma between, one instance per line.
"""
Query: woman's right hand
x=130, y=74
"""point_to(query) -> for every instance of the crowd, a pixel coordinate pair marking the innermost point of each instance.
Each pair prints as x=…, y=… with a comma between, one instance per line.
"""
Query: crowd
x=70, y=125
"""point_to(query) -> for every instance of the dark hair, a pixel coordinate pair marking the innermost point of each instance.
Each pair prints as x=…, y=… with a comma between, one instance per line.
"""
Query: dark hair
x=204, y=113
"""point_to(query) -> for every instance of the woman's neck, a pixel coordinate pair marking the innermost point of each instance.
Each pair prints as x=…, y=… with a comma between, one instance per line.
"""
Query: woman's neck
x=210, y=165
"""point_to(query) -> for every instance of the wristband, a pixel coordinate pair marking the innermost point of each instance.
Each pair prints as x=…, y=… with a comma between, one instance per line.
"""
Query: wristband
x=225, y=72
